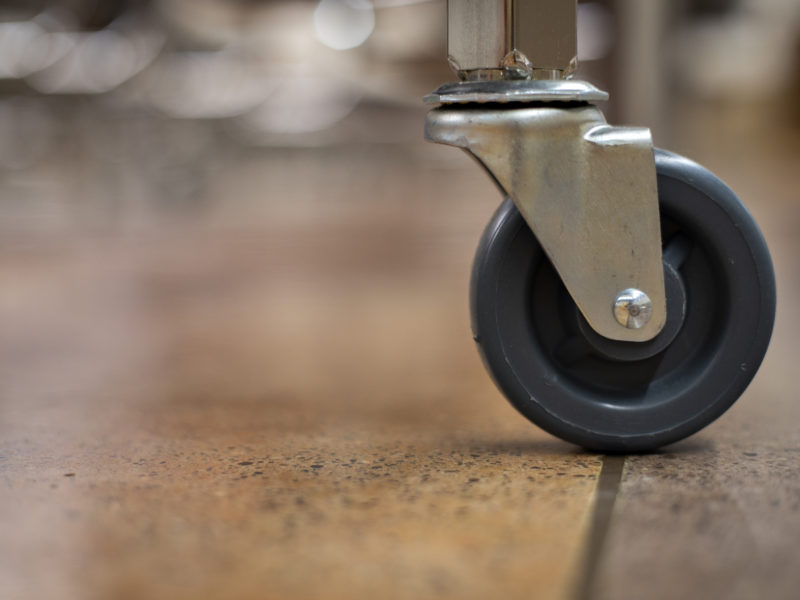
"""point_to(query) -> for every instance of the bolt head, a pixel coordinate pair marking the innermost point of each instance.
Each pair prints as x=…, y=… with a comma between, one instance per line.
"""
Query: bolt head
x=633, y=308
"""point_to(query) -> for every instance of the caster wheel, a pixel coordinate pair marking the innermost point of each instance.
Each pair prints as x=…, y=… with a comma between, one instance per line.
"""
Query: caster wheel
x=615, y=396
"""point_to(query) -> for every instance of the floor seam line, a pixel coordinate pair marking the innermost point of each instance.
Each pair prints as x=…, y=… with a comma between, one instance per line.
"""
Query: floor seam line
x=606, y=492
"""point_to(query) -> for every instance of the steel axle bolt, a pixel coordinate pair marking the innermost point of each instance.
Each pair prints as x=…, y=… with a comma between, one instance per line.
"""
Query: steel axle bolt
x=633, y=308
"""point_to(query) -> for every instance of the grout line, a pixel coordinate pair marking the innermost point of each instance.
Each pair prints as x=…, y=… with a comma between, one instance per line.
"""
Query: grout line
x=606, y=495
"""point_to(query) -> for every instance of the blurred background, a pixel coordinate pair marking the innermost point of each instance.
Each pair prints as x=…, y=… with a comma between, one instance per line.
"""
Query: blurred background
x=220, y=224
x=233, y=199
x=163, y=160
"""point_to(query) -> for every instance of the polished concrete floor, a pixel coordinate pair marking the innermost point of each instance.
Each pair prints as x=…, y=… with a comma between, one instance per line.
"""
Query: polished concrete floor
x=238, y=373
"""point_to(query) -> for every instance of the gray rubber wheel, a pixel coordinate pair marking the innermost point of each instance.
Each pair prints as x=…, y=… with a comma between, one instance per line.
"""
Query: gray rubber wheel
x=629, y=397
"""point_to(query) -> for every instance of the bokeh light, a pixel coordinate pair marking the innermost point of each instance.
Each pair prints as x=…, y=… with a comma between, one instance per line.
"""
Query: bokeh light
x=344, y=24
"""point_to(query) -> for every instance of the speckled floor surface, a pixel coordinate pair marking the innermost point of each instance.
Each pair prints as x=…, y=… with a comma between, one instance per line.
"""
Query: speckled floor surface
x=271, y=392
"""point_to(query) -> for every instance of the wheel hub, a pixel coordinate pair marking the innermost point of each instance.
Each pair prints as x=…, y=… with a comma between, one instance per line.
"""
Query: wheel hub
x=632, y=351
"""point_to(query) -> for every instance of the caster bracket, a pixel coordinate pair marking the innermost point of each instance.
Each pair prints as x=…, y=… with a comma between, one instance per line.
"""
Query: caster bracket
x=588, y=192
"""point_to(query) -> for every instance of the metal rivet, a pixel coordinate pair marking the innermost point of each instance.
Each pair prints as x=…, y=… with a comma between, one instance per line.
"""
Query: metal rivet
x=633, y=308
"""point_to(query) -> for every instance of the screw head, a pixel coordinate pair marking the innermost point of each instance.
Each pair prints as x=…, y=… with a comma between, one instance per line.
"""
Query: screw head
x=633, y=308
